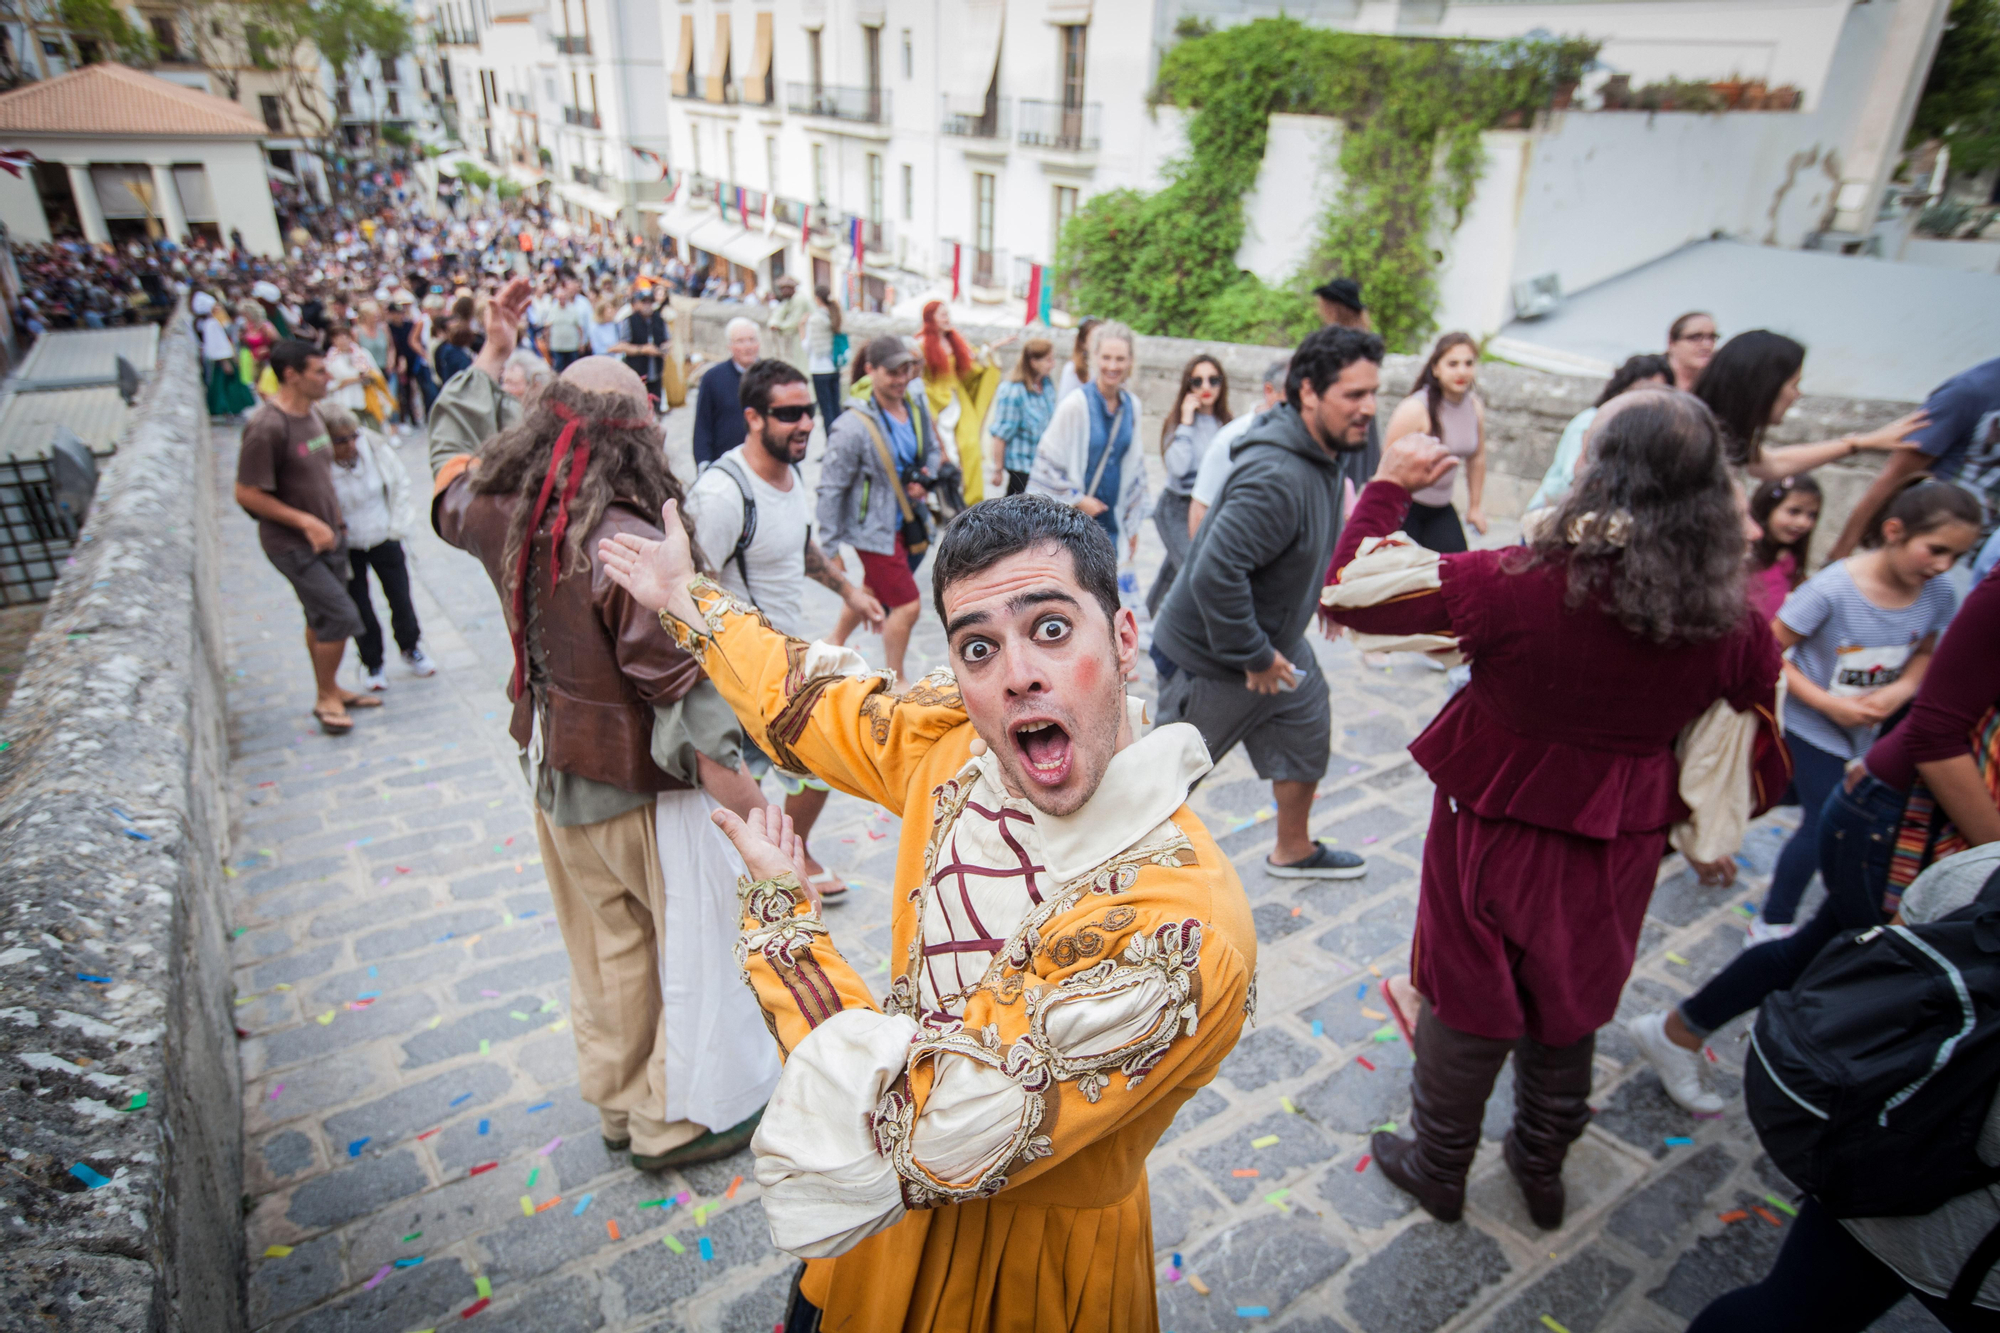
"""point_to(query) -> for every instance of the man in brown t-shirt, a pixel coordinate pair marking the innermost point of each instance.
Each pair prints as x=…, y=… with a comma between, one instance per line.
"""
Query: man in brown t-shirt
x=284, y=481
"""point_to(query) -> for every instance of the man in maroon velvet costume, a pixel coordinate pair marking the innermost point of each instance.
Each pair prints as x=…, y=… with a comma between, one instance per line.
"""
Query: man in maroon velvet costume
x=1557, y=782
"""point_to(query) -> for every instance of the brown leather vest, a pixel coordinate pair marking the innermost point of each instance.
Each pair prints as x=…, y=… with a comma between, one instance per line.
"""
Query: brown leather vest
x=604, y=659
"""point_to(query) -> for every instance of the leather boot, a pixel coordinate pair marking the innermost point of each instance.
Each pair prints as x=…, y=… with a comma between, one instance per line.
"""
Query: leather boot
x=1454, y=1075
x=1551, y=1108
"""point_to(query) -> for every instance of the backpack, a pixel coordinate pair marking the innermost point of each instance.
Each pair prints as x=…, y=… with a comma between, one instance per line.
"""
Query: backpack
x=1873, y=1076
x=733, y=469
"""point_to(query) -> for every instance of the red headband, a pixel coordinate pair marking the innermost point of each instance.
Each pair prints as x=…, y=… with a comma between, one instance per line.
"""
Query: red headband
x=578, y=452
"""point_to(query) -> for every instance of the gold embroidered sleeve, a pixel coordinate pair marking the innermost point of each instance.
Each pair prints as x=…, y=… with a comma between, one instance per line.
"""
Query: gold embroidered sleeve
x=1119, y=1014
x=789, y=961
x=813, y=708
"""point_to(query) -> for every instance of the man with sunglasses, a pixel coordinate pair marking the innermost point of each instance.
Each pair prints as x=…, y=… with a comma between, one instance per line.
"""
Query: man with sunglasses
x=753, y=517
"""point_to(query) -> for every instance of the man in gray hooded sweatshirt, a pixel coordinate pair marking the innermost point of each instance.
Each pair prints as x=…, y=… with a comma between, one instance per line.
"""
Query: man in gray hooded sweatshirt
x=1234, y=625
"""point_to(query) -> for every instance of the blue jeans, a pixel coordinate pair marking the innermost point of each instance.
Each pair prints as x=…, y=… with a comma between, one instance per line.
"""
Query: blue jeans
x=1815, y=774
x=1857, y=835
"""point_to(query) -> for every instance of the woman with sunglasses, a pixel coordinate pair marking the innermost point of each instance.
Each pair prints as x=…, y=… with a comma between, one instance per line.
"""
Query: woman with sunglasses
x=1200, y=409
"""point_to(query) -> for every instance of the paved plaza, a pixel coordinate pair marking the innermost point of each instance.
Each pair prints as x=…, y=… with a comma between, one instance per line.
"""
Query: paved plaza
x=402, y=992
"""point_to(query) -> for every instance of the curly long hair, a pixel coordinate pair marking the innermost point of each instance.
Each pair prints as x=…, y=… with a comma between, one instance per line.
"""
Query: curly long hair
x=627, y=462
x=937, y=361
x=1652, y=532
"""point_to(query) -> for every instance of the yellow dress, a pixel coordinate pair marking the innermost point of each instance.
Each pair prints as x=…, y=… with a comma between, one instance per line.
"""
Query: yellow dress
x=971, y=1156
x=975, y=394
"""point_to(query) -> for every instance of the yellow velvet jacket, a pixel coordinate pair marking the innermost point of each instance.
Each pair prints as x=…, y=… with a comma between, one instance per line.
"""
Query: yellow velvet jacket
x=973, y=1158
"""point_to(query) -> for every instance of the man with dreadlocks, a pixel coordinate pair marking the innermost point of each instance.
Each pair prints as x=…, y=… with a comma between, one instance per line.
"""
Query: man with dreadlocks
x=617, y=729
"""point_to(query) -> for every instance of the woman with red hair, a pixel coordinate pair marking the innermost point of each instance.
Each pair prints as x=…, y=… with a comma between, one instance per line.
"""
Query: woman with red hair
x=961, y=388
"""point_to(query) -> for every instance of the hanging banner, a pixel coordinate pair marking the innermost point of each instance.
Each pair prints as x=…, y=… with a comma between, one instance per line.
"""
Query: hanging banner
x=957, y=257
x=1034, y=293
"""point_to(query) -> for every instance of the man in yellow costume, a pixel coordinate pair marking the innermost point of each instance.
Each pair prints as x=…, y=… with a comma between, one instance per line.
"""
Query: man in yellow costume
x=1073, y=955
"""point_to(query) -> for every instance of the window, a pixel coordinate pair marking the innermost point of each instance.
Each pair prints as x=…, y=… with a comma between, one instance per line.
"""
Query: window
x=388, y=69
x=273, y=112
x=909, y=57
x=729, y=155
x=813, y=59
x=166, y=36
x=771, y=163
x=819, y=174
x=875, y=187
x=593, y=99
x=1072, y=65
x=982, y=228
x=395, y=103
x=871, y=42
x=1065, y=209
x=694, y=137
x=909, y=192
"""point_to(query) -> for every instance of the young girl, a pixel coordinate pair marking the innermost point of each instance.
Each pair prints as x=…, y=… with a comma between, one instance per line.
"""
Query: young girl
x=1859, y=634
x=1443, y=404
x=1787, y=510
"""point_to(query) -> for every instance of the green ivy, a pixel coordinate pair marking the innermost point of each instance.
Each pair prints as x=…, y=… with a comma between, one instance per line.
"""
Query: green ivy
x=1412, y=110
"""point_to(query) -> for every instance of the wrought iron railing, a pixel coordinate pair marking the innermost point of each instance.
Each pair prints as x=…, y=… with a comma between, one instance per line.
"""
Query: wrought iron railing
x=867, y=105
x=1071, y=129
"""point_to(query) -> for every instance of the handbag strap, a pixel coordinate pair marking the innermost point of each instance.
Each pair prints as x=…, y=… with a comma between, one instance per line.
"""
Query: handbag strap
x=1110, y=443
x=889, y=464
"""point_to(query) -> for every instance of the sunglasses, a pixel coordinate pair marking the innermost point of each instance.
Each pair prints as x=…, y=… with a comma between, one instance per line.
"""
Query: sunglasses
x=1207, y=381
x=790, y=415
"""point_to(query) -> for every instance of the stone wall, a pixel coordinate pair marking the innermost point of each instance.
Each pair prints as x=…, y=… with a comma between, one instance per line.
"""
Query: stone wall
x=1526, y=410
x=114, y=979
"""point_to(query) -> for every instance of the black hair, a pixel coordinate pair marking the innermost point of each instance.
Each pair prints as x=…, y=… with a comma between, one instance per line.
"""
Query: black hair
x=754, y=392
x=292, y=354
x=987, y=533
x=1324, y=354
x=1923, y=504
x=1764, y=552
x=1741, y=386
x=1427, y=381
x=1636, y=368
x=1651, y=533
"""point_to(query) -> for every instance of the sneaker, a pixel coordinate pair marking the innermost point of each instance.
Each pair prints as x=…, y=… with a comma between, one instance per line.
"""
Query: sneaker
x=1679, y=1070
x=1324, y=863
x=1763, y=932
x=375, y=680
x=709, y=1146
x=419, y=662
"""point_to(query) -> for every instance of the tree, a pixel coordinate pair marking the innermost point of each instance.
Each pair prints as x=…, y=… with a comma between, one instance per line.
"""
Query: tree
x=103, y=32
x=1961, y=101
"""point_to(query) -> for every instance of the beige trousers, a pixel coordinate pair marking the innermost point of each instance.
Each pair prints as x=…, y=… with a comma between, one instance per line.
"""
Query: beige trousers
x=610, y=896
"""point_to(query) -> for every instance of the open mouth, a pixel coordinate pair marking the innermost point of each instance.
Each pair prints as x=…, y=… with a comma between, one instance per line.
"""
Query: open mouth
x=1046, y=751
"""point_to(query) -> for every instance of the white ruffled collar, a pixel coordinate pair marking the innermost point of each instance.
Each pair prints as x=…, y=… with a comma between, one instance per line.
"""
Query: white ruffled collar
x=1143, y=785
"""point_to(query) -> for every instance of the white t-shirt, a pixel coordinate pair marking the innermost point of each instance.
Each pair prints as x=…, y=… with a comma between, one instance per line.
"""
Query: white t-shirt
x=776, y=554
x=1216, y=463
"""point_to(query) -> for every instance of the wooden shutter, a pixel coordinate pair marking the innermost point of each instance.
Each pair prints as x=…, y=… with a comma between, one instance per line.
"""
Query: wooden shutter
x=759, y=77
x=718, y=61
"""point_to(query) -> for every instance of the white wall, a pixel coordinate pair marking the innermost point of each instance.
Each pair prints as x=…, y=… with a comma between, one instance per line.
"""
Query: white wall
x=236, y=180
x=21, y=209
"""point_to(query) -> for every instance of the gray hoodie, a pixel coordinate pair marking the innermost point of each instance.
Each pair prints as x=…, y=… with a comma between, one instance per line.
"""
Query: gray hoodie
x=1253, y=576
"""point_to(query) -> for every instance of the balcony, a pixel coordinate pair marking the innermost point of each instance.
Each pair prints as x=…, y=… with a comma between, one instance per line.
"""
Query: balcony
x=518, y=102
x=573, y=46
x=1066, y=129
x=757, y=92
x=868, y=106
x=995, y=123
x=687, y=84
x=576, y=115
x=444, y=34
x=596, y=180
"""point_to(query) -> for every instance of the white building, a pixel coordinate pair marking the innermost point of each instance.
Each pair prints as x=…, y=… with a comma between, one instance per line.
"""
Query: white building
x=122, y=154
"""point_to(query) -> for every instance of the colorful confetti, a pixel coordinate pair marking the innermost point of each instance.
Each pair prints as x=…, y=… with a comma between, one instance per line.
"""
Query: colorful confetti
x=673, y=1245
x=276, y=1251
x=1264, y=1142
x=380, y=1274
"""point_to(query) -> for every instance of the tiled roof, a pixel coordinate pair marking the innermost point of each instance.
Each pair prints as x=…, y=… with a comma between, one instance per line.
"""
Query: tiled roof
x=109, y=99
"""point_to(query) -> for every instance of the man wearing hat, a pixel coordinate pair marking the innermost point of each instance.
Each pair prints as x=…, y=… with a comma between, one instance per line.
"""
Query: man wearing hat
x=1339, y=301
x=643, y=341
x=880, y=456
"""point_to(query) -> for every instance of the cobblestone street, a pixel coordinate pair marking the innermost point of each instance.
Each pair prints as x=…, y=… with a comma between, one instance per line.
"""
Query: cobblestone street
x=403, y=992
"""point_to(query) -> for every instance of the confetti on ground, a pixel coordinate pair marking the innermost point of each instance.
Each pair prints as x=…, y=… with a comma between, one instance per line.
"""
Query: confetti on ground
x=1767, y=1215
x=707, y=1249
x=1264, y=1142
x=485, y=1046
x=1386, y=1127
x=1319, y=1028
x=1362, y=1165
x=380, y=1275
x=138, y=1102
x=550, y=1146
x=540, y=1106
x=701, y=1214
x=673, y=1245
x=1386, y=1034
x=1781, y=1205
x=359, y=1004
x=1733, y=1215
x=1673, y=957
x=326, y=1018
x=611, y=1227
x=1253, y=1311
x=490, y=994
x=656, y=1203
x=518, y=1016
x=547, y=1204
x=534, y=1174
x=412, y=1236
x=461, y=1099
x=1245, y=1173
x=238, y=932
x=1361, y=991
x=354, y=1148
x=426, y=1134
x=432, y=1025
x=1277, y=1196
x=483, y=1166
x=1286, y=1102
x=276, y=1090
x=276, y=1251
x=1201, y=1288
x=559, y=1025
x=93, y=979
x=369, y=995
x=485, y=1126
x=1297, y=910
x=1373, y=837
x=527, y=1206
x=547, y=1005
x=1552, y=1325
x=475, y=1307
x=1375, y=1014
x=482, y=1285
x=410, y=1262
x=734, y=1184
x=1679, y=1141
x=1362, y=1060
x=581, y=1204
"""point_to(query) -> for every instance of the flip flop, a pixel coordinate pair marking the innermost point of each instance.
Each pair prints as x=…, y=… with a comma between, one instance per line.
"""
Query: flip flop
x=1404, y=1024
x=333, y=725
x=839, y=888
x=362, y=700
